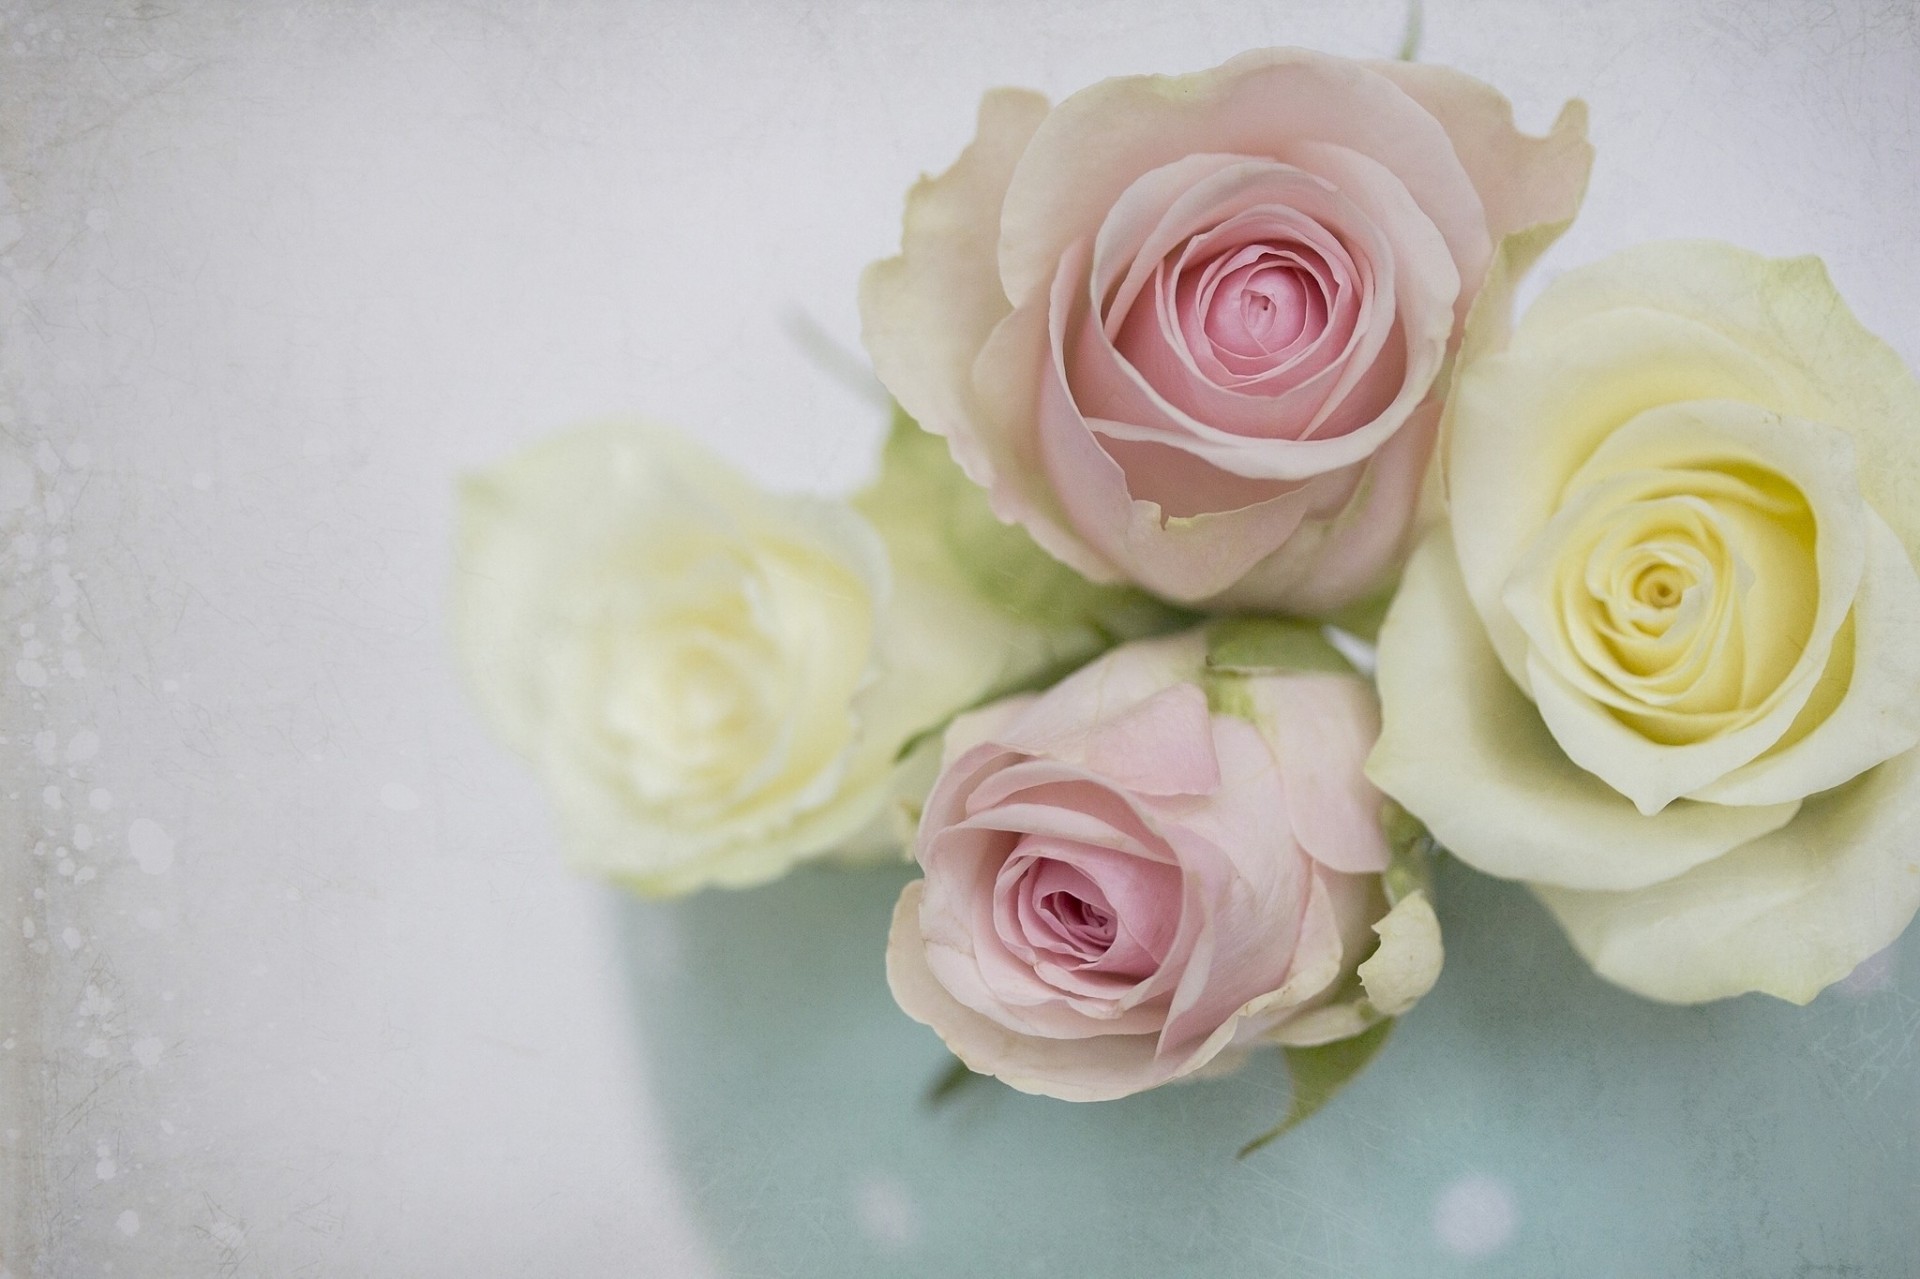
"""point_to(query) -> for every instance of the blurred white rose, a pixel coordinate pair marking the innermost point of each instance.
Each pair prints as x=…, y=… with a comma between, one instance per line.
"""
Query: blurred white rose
x=712, y=681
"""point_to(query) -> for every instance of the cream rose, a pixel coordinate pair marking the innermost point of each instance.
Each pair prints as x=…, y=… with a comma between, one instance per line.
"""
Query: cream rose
x=1661, y=662
x=1192, y=332
x=1164, y=861
x=713, y=681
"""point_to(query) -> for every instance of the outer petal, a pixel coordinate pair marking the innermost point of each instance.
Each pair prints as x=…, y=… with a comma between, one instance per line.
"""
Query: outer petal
x=1788, y=914
x=1465, y=751
x=1788, y=314
x=1524, y=181
x=1408, y=962
x=1321, y=728
x=1095, y=1068
x=926, y=314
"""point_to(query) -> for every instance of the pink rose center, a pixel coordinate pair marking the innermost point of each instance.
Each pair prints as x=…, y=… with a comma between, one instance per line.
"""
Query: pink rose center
x=1086, y=909
x=1263, y=308
x=1084, y=926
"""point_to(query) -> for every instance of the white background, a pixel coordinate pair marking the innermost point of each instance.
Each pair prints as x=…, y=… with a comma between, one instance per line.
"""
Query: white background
x=291, y=982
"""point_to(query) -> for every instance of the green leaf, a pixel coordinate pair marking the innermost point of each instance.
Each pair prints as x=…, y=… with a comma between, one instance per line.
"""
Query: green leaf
x=1319, y=1073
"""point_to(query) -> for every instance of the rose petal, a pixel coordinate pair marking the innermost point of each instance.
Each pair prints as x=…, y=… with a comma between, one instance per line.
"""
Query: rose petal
x=1463, y=748
x=1095, y=1068
x=925, y=314
x=1788, y=914
x=1321, y=728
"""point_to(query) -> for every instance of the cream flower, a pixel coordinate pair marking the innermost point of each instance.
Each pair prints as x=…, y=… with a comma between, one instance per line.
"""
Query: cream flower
x=713, y=681
x=1660, y=663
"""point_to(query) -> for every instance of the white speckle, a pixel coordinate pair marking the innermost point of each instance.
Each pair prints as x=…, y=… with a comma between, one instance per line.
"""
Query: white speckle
x=84, y=874
x=85, y=744
x=73, y=663
x=27, y=930
x=147, y=1052
x=1874, y=974
x=202, y=481
x=1474, y=1217
x=399, y=798
x=100, y=799
x=30, y=673
x=71, y=936
x=129, y=1222
x=886, y=1213
x=95, y=1048
x=106, y=1169
x=51, y=797
x=64, y=865
x=151, y=846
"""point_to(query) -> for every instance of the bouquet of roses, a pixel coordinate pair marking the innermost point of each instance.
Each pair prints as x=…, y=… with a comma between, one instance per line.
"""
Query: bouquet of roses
x=1231, y=536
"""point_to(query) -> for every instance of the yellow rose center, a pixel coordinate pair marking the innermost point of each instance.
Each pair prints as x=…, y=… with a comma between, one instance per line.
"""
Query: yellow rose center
x=1685, y=595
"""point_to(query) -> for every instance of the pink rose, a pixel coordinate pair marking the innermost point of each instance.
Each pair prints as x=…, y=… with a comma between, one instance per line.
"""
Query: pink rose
x=1192, y=331
x=1121, y=885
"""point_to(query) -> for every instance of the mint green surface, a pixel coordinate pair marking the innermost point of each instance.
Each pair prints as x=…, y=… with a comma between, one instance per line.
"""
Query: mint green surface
x=1747, y=1138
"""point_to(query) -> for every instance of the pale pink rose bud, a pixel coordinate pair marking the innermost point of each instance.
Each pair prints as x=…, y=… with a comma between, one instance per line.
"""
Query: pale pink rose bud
x=1123, y=882
x=1192, y=332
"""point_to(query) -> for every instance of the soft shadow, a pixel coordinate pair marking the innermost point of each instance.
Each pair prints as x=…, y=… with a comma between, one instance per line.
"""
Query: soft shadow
x=1668, y=1140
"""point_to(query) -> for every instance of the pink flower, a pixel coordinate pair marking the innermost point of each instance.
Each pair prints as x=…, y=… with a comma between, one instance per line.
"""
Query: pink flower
x=1121, y=884
x=1192, y=331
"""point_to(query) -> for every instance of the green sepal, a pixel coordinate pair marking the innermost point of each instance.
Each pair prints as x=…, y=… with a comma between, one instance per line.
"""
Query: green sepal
x=1268, y=645
x=1240, y=648
x=1410, y=853
x=1318, y=1074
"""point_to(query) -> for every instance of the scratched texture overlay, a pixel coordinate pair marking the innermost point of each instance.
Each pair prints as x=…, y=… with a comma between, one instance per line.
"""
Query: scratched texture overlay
x=291, y=980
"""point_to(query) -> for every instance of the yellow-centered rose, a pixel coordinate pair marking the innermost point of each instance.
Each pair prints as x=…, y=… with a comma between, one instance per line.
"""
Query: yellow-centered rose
x=1663, y=660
